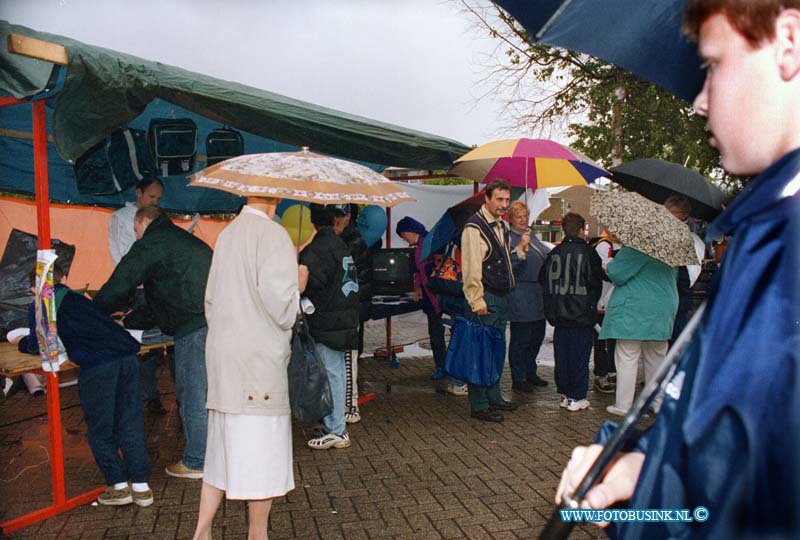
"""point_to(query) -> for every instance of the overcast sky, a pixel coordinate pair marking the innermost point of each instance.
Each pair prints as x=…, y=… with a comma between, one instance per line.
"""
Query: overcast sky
x=414, y=63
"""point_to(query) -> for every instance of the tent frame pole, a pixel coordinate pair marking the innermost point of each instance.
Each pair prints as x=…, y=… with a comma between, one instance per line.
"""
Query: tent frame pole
x=60, y=502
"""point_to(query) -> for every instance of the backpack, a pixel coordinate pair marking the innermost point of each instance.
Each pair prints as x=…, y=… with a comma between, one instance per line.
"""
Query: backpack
x=222, y=144
x=446, y=280
x=115, y=164
x=173, y=143
x=445, y=276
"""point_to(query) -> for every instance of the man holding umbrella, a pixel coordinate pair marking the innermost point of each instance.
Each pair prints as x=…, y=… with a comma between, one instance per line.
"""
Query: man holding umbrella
x=488, y=277
x=727, y=436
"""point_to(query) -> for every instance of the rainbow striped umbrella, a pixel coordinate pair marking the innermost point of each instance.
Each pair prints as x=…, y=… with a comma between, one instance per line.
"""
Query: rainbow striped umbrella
x=528, y=163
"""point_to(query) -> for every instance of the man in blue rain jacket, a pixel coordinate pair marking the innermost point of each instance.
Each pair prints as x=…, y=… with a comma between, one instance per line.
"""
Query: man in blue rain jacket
x=728, y=435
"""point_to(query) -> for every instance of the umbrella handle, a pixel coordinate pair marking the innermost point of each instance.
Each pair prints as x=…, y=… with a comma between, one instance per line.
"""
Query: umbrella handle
x=300, y=221
x=558, y=530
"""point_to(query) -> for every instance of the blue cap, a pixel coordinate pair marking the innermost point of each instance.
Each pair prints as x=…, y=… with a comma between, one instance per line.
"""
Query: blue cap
x=341, y=208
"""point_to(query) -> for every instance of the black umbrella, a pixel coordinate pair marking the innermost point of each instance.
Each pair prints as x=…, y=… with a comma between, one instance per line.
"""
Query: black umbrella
x=657, y=179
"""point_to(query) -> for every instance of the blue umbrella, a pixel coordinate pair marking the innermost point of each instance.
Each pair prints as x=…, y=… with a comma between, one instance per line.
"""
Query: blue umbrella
x=449, y=226
x=641, y=36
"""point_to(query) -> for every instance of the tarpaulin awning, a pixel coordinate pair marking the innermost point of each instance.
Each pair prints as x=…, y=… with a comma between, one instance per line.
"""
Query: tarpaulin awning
x=104, y=90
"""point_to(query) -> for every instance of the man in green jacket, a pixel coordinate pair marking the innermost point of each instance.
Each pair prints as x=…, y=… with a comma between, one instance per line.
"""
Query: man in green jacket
x=173, y=266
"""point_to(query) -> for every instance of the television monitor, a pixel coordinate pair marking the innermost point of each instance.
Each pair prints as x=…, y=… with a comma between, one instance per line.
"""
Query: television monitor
x=393, y=271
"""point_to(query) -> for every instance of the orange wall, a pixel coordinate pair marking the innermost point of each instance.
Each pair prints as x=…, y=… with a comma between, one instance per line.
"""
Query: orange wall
x=86, y=227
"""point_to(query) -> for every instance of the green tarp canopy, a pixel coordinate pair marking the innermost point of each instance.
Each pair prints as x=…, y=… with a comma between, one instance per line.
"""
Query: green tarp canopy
x=104, y=90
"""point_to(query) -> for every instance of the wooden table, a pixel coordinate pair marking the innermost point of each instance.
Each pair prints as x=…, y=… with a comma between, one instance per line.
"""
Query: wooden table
x=12, y=363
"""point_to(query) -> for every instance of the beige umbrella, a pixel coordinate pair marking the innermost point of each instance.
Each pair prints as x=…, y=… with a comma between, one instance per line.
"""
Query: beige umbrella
x=645, y=226
x=301, y=176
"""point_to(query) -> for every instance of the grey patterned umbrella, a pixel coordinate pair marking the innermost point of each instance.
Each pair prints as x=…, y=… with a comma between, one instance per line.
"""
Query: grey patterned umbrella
x=645, y=226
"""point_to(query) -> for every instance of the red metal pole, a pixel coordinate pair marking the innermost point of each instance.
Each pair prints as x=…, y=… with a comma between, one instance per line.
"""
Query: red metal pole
x=60, y=502
x=10, y=100
x=43, y=225
x=474, y=188
x=40, y=173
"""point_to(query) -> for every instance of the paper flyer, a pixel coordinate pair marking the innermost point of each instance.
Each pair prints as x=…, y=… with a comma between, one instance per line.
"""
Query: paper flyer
x=50, y=346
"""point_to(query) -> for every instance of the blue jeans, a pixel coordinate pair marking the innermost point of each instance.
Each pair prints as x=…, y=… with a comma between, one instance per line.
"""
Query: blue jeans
x=148, y=364
x=147, y=373
x=334, y=365
x=523, y=348
x=190, y=391
x=112, y=409
x=572, y=348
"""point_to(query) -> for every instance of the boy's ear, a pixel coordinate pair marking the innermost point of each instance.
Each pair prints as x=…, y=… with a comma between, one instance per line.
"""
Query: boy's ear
x=787, y=39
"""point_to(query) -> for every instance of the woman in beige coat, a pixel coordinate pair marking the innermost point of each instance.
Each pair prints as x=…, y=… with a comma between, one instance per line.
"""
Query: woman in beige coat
x=252, y=301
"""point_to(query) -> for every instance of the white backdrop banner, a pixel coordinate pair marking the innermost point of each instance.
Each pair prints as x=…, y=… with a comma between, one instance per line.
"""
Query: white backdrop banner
x=432, y=202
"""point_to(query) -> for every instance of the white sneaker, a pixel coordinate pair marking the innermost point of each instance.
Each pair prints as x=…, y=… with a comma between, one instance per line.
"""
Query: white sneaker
x=564, y=401
x=353, y=417
x=329, y=440
x=577, y=405
x=7, y=384
x=613, y=409
x=457, y=389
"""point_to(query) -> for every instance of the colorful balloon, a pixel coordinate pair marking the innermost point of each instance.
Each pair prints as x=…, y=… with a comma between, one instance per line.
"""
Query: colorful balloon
x=371, y=224
x=297, y=221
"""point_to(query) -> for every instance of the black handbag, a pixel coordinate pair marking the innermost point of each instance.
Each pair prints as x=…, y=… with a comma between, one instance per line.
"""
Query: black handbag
x=310, y=395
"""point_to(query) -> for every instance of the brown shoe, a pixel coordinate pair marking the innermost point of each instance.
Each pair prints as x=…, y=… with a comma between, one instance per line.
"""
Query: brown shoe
x=115, y=497
x=143, y=498
x=179, y=470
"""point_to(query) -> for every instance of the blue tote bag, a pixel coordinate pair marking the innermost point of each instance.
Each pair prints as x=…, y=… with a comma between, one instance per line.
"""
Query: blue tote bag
x=476, y=353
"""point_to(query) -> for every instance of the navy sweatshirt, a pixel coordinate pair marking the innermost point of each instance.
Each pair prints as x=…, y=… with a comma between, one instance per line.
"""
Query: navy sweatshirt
x=88, y=334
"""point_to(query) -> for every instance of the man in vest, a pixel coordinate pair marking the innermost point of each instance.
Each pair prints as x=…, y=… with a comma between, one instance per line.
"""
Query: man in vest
x=486, y=266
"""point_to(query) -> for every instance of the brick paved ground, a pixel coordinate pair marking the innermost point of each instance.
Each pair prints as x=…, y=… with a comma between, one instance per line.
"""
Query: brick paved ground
x=419, y=467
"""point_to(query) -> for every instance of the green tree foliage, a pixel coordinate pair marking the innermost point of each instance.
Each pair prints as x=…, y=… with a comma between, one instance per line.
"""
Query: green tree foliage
x=447, y=181
x=607, y=113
